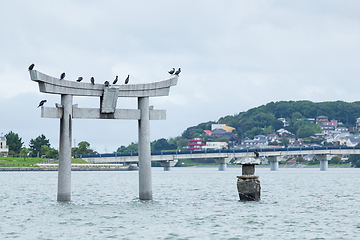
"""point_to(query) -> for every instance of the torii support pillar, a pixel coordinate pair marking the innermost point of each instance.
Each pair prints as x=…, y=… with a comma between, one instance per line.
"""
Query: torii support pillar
x=64, y=172
x=323, y=161
x=274, y=164
x=145, y=185
x=222, y=163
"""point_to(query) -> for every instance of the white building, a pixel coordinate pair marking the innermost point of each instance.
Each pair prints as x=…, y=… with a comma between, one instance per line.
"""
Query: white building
x=216, y=126
x=4, y=149
x=215, y=145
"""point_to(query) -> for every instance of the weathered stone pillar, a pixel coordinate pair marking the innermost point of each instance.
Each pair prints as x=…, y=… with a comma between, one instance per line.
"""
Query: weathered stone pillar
x=222, y=163
x=145, y=181
x=248, y=184
x=64, y=173
x=274, y=164
x=324, y=159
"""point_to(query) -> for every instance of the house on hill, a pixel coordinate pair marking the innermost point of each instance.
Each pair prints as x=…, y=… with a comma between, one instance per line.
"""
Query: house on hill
x=342, y=129
x=322, y=119
x=216, y=145
x=272, y=137
x=286, y=123
x=217, y=126
x=284, y=133
x=4, y=149
x=218, y=132
x=352, y=140
x=357, y=124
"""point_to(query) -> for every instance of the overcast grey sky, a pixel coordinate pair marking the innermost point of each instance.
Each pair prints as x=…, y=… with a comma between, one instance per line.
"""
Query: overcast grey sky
x=234, y=55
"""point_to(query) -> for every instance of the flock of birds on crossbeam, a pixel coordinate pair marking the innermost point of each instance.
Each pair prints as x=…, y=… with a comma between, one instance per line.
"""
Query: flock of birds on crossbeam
x=106, y=83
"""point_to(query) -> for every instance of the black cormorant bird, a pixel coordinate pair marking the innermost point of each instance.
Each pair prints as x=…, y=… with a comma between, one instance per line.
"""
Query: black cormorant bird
x=42, y=103
x=115, y=81
x=178, y=72
x=31, y=67
x=256, y=153
x=172, y=71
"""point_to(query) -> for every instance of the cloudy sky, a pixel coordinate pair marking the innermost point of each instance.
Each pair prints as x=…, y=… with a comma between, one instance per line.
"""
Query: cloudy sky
x=234, y=55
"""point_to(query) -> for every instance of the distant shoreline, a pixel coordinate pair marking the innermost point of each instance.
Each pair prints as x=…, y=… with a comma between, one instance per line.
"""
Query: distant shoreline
x=37, y=169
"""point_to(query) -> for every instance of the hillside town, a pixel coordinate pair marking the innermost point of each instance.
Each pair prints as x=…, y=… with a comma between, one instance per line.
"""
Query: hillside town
x=333, y=133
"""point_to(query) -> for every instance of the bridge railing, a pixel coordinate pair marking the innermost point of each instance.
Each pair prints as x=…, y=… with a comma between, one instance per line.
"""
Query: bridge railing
x=207, y=151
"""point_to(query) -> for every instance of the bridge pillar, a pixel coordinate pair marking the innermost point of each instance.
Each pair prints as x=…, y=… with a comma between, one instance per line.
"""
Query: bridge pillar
x=222, y=163
x=324, y=159
x=64, y=172
x=168, y=164
x=145, y=182
x=274, y=164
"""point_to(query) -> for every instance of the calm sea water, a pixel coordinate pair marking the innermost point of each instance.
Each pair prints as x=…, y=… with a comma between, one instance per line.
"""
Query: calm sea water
x=189, y=203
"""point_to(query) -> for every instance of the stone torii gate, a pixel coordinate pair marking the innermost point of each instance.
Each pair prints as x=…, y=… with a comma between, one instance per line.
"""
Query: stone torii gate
x=108, y=100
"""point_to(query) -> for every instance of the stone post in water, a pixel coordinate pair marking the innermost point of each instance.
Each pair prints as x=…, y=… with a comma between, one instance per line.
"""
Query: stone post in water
x=248, y=184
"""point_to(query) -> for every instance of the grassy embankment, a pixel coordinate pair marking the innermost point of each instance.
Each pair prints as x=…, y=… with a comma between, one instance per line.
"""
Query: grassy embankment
x=28, y=162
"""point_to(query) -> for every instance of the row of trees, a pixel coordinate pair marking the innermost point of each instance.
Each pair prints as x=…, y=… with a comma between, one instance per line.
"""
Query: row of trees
x=40, y=146
x=161, y=144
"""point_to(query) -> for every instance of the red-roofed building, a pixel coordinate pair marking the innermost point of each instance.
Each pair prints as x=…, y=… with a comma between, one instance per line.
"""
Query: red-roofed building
x=196, y=143
x=208, y=132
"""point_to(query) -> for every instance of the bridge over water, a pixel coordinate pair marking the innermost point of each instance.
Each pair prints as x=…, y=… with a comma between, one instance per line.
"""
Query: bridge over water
x=222, y=157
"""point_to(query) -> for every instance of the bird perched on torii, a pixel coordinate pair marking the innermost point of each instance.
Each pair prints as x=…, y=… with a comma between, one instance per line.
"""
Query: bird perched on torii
x=116, y=79
x=31, y=67
x=172, y=71
x=42, y=102
x=178, y=72
x=127, y=79
x=256, y=153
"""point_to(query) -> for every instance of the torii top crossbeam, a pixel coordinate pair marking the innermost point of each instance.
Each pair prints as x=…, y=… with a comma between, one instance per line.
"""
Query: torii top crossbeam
x=48, y=84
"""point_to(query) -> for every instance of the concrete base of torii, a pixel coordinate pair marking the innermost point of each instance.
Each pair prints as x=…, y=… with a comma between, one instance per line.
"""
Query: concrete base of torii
x=222, y=163
x=168, y=164
x=324, y=159
x=274, y=164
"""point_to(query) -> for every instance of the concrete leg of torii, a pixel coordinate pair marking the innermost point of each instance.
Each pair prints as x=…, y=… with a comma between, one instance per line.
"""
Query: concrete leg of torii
x=324, y=159
x=145, y=182
x=168, y=164
x=222, y=163
x=274, y=164
x=64, y=172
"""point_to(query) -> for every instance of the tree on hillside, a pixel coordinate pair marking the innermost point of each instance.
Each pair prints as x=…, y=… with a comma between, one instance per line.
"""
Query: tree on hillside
x=35, y=145
x=24, y=153
x=133, y=147
x=182, y=142
x=285, y=141
x=195, y=131
x=84, y=148
x=14, y=142
x=49, y=152
x=335, y=160
x=162, y=144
